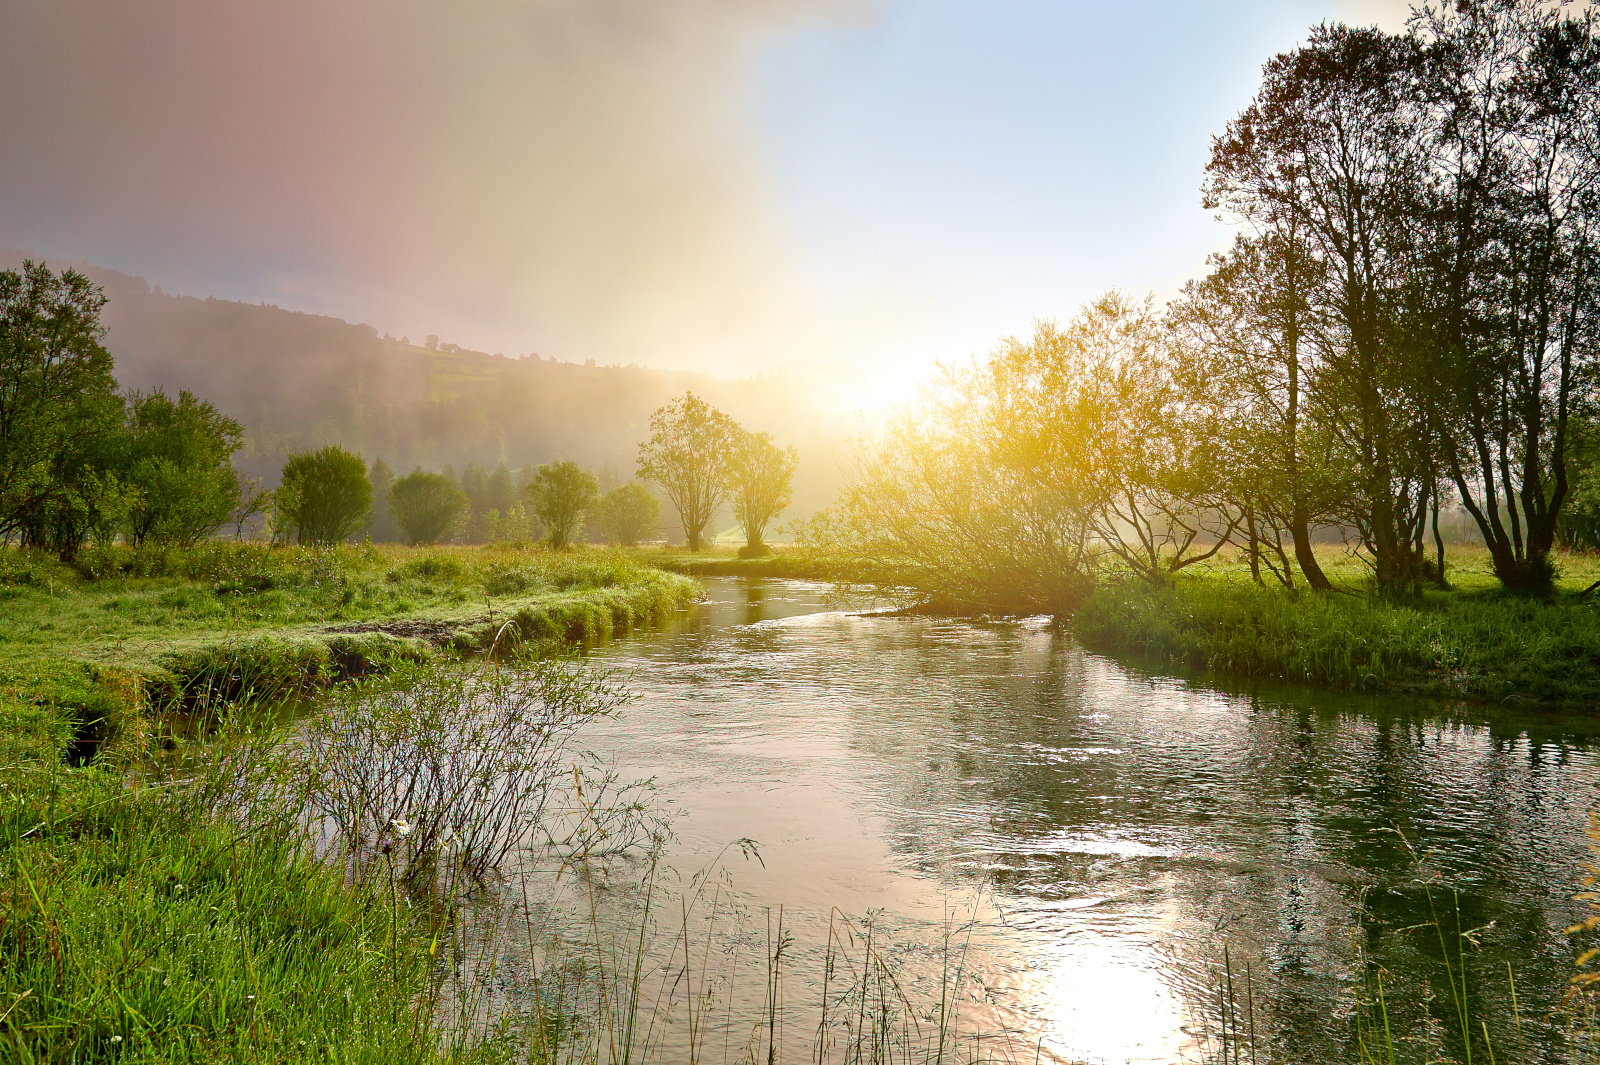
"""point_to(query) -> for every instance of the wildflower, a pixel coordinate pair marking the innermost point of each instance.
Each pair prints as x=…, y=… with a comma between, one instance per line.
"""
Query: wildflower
x=116, y=1039
x=402, y=826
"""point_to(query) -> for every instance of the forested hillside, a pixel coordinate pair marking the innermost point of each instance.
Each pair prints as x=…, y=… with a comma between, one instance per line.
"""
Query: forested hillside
x=298, y=381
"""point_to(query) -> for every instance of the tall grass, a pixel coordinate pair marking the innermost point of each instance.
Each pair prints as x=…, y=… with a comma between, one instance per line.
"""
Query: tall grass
x=1483, y=646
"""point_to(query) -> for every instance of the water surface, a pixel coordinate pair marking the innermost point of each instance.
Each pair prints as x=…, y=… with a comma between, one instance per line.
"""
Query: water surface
x=1115, y=830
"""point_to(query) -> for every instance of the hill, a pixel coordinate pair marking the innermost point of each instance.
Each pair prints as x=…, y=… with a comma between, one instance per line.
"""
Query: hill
x=300, y=380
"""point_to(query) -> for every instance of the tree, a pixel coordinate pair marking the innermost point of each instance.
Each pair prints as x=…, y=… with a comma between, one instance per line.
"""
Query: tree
x=1105, y=401
x=425, y=505
x=475, y=483
x=178, y=459
x=980, y=490
x=628, y=513
x=562, y=493
x=687, y=454
x=500, y=492
x=57, y=406
x=1243, y=329
x=1506, y=290
x=327, y=495
x=760, y=478
x=381, y=525
x=1335, y=142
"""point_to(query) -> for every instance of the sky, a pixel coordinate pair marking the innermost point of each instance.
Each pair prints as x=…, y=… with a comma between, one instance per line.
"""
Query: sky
x=725, y=185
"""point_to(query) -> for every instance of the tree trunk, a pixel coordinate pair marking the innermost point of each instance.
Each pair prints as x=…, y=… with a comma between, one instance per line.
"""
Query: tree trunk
x=1255, y=545
x=1300, y=529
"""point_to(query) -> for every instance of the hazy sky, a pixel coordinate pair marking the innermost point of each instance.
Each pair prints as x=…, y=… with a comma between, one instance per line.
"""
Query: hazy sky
x=717, y=184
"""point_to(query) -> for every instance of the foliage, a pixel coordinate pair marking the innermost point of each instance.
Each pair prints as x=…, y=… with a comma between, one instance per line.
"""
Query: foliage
x=562, y=493
x=424, y=506
x=628, y=513
x=325, y=494
x=381, y=524
x=690, y=445
x=986, y=504
x=57, y=407
x=176, y=458
x=760, y=477
x=1438, y=193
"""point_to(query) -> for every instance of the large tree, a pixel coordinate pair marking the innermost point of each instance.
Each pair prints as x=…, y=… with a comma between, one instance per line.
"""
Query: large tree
x=1334, y=143
x=1506, y=289
x=690, y=445
x=760, y=482
x=1242, y=331
x=57, y=405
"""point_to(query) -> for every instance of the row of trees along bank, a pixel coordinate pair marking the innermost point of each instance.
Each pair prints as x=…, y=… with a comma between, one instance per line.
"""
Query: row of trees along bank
x=80, y=462
x=1406, y=322
x=699, y=456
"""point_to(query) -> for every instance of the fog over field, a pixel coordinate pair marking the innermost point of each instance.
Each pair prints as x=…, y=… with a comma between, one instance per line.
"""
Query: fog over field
x=707, y=184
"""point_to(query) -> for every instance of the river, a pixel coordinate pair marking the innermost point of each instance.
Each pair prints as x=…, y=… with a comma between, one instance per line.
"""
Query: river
x=1127, y=841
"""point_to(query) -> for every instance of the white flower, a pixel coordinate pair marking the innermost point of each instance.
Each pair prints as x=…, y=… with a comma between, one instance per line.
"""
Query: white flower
x=449, y=839
x=116, y=1039
x=402, y=826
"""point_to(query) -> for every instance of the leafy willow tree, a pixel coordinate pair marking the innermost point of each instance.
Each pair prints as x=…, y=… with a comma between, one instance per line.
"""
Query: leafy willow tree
x=1333, y=144
x=324, y=495
x=58, y=406
x=982, y=488
x=760, y=483
x=1153, y=448
x=690, y=445
x=1242, y=331
x=425, y=506
x=1444, y=186
x=178, y=460
x=628, y=513
x=562, y=493
x=1506, y=292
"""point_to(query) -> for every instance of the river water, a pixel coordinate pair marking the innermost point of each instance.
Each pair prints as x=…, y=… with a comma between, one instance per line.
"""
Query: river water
x=1126, y=840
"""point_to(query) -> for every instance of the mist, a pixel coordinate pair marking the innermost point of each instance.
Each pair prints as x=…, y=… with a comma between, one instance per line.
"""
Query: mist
x=578, y=178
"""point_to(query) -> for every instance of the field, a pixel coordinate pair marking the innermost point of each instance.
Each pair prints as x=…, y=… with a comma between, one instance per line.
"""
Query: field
x=135, y=923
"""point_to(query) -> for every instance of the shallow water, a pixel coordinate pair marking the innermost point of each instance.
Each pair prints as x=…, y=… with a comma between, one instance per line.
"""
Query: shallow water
x=1114, y=830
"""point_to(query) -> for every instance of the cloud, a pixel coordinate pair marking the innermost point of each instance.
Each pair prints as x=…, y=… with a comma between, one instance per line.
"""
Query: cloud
x=577, y=176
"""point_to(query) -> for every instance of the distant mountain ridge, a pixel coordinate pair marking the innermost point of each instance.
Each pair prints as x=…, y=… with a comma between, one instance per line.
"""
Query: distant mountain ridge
x=299, y=380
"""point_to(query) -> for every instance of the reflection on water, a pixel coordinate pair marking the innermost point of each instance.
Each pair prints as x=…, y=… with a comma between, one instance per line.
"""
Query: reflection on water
x=1119, y=827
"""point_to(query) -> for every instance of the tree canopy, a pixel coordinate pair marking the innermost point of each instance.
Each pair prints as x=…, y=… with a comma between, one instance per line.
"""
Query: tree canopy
x=691, y=444
x=425, y=505
x=562, y=494
x=325, y=494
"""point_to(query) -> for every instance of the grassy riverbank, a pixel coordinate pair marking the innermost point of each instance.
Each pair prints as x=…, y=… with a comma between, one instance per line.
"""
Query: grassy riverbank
x=1474, y=642
x=138, y=927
